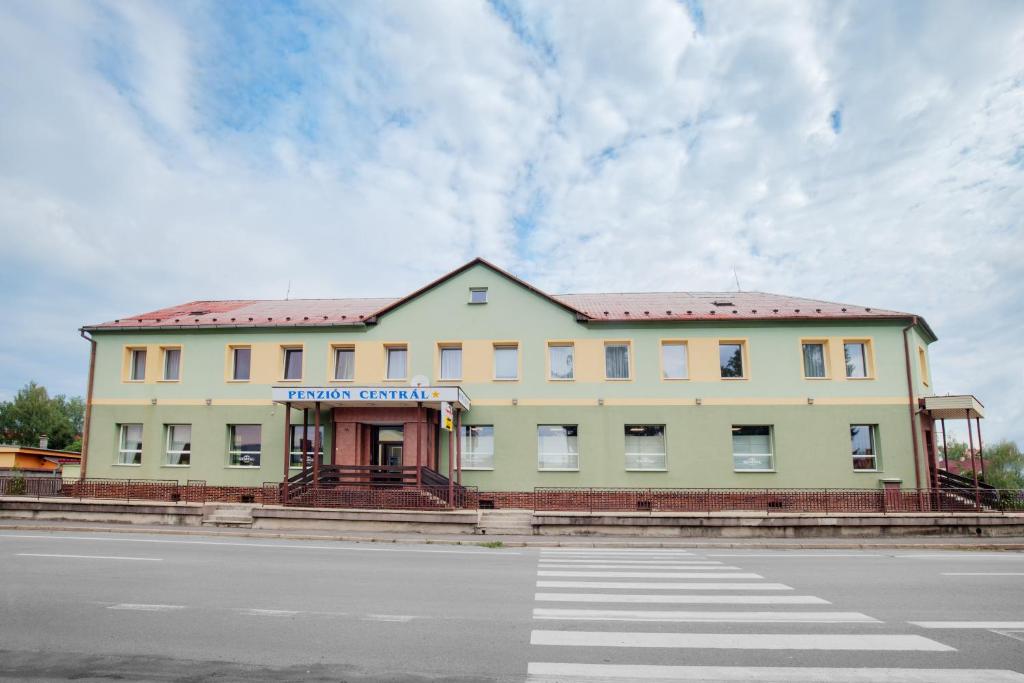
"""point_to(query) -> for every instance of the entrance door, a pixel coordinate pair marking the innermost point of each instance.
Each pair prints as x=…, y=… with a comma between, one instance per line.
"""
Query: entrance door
x=387, y=454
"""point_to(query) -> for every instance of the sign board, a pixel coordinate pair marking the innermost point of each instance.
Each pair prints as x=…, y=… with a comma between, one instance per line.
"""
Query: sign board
x=447, y=417
x=369, y=394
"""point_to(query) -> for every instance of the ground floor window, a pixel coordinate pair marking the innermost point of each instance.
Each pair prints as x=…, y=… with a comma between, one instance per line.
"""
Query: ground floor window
x=558, y=447
x=244, y=445
x=862, y=445
x=645, y=447
x=179, y=445
x=752, y=448
x=478, y=447
x=130, y=448
x=305, y=434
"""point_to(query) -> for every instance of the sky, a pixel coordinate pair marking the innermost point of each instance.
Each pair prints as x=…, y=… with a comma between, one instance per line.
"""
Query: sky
x=153, y=153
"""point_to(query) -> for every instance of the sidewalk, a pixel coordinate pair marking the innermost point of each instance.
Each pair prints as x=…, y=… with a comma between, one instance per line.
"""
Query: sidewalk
x=1007, y=543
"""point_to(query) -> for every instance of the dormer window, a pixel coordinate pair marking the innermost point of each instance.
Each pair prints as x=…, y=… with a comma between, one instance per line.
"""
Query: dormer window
x=477, y=295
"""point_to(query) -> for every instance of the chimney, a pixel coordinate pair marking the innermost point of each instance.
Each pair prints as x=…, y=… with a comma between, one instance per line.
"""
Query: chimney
x=44, y=441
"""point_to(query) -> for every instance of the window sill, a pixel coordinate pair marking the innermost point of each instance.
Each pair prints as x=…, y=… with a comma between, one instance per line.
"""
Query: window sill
x=177, y=466
x=646, y=469
x=618, y=379
x=867, y=471
x=127, y=464
x=241, y=467
x=754, y=471
x=859, y=379
x=395, y=380
x=561, y=379
x=733, y=379
x=675, y=379
x=817, y=379
x=291, y=381
x=238, y=381
x=504, y=379
x=342, y=381
x=558, y=469
x=134, y=381
x=448, y=379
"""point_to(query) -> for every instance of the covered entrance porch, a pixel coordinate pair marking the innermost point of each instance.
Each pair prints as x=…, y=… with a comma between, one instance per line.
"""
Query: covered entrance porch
x=382, y=437
x=935, y=410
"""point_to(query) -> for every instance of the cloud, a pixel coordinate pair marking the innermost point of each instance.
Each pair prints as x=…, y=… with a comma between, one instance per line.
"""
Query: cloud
x=156, y=152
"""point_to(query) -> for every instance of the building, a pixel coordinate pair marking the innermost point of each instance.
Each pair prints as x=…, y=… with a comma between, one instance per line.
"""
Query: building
x=35, y=462
x=666, y=390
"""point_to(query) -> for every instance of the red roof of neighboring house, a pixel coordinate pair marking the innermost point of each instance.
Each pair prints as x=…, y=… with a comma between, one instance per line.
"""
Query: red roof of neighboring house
x=609, y=307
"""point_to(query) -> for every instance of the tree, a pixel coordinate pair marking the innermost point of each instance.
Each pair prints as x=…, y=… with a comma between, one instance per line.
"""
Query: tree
x=1004, y=466
x=33, y=413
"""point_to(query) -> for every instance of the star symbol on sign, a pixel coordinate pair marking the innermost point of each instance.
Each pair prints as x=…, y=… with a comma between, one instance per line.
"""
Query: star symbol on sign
x=437, y=394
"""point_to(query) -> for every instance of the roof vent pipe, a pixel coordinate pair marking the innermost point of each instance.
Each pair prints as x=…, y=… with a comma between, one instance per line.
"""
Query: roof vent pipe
x=44, y=441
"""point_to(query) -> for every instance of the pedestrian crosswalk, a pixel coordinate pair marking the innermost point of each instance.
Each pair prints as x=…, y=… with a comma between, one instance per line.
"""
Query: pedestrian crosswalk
x=598, y=605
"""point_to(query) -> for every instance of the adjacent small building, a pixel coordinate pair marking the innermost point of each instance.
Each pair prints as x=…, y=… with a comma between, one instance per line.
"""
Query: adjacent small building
x=664, y=390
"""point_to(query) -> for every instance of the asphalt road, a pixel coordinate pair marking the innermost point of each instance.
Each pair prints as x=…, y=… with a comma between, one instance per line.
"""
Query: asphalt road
x=95, y=606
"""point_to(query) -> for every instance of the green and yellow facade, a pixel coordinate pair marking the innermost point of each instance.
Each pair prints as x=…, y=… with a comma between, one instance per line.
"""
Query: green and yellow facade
x=694, y=415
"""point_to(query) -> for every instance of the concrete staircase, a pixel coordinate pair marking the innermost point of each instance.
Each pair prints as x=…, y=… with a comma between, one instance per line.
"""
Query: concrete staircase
x=231, y=515
x=513, y=522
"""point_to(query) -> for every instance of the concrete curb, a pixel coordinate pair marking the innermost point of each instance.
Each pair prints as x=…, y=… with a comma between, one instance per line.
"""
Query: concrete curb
x=515, y=542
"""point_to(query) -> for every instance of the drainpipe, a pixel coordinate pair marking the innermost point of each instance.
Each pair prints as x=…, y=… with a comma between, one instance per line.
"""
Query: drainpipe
x=88, y=402
x=910, y=407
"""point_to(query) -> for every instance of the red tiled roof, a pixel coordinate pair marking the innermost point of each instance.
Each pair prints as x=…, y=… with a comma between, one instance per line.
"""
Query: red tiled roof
x=613, y=307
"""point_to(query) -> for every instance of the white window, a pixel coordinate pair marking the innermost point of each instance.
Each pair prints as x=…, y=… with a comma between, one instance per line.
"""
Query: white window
x=304, y=435
x=506, y=362
x=241, y=357
x=645, y=447
x=730, y=359
x=862, y=445
x=244, y=445
x=179, y=445
x=137, y=372
x=477, y=295
x=344, y=363
x=451, y=362
x=560, y=357
x=293, y=363
x=616, y=361
x=130, y=445
x=856, y=359
x=674, y=361
x=478, y=447
x=814, y=360
x=172, y=364
x=558, y=447
x=752, y=449
x=397, y=360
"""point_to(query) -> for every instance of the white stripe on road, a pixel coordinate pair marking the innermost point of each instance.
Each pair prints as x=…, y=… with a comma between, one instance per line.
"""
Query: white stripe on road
x=274, y=546
x=661, y=585
x=969, y=624
x=786, y=553
x=269, y=612
x=683, y=599
x=636, y=566
x=703, y=617
x=616, y=551
x=146, y=608
x=400, y=618
x=965, y=556
x=740, y=641
x=983, y=573
x=654, y=575
x=545, y=672
x=93, y=557
x=619, y=560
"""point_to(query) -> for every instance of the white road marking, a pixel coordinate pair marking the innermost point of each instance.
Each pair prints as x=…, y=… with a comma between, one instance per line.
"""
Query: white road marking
x=269, y=612
x=740, y=641
x=619, y=551
x=636, y=566
x=146, y=608
x=983, y=573
x=703, y=617
x=92, y=557
x=543, y=672
x=785, y=553
x=968, y=624
x=619, y=560
x=654, y=575
x=401, y=618
x=274, y=546
x=965, y=556
x=660, y=585
x=683, y=599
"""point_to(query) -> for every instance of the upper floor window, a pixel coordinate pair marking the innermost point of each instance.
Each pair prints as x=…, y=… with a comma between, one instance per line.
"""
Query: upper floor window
x=293, y=363
x=451, y=362
x=241, y=357
x=172, y=364
x=730, y=359
x=506, y=361
x=752, y=449
x=478, y=447
x=344, y=363
x=922, y=359
x=179, y=445
x=814, y=360
x=398, y=357
x=477, y=295
x=856, y=355
x=674, y=361
x=862, y=445
x=244, y=445
x=616, y=360
x=137, y=370
x=645, y=447
x=130, y=445
x=560, y=360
